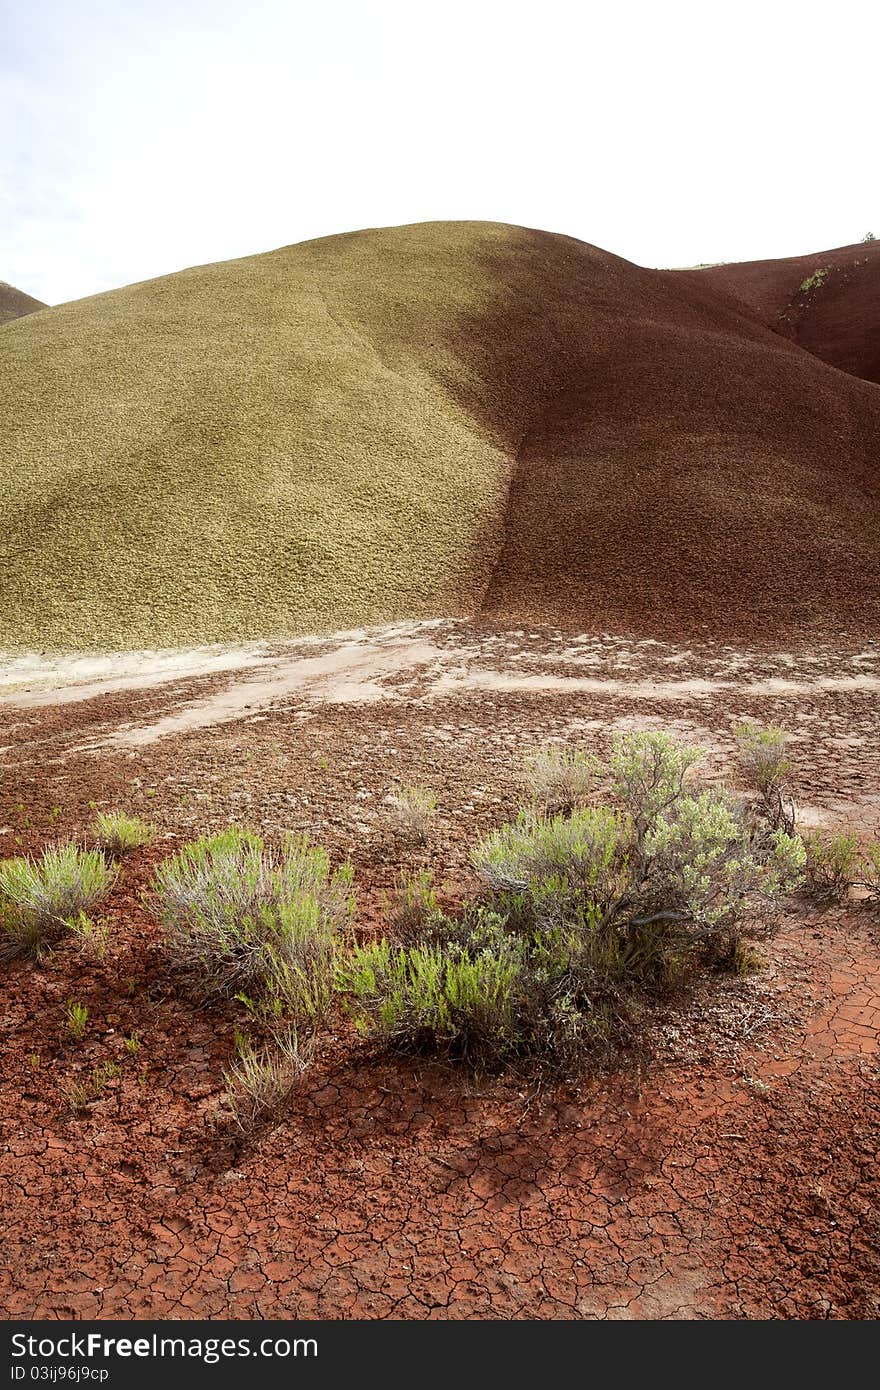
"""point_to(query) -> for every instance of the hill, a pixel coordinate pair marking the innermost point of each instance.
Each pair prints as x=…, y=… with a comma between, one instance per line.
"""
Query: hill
x=14, y=304
x=828, y=302
x=448, y=418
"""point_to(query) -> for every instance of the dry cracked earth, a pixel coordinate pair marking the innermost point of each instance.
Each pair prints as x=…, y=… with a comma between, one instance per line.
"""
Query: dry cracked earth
x=727, y=1171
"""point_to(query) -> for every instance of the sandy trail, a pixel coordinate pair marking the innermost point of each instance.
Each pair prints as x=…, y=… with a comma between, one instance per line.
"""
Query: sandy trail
x=424, y=663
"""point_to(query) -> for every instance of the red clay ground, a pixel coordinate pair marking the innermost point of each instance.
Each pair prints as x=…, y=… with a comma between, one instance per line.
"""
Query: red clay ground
x=728, y=1171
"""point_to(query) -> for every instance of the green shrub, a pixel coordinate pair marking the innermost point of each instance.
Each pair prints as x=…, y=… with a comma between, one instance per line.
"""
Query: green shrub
x=814, y=281
x=118, y=834
x=41, y=899
x=445, y=998
x=245, y=920
x=766, y=765
x=833, y=864
x=588, y=915
x=559, y=779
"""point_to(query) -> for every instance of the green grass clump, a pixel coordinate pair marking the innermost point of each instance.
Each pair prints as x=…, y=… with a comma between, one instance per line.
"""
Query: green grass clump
x=41, y=899
x=245, y=920
x=118, y=833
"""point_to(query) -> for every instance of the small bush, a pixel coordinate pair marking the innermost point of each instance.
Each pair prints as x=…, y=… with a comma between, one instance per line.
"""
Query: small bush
x=261, y=1079
x=118, y=834
x=588, y=914
x=871, y=871
x=248, y=921
x=412, y=811
x=766, y=765
x=449, y=998
x=40, y=898
x=814, y=281
x=833, y=864
x=559, y=779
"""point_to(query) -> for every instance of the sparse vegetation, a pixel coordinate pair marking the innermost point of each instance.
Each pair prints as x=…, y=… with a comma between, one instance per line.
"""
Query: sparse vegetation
x=76, y=1017
x=833, y=864
x=93, y=936
x=248, y=921
x=259, y=1080
x=764, y=759
x=118, y=834
x=413, y=809
x=588, y=913
x=41, y=898
x=80, y=1094
x=559, y=779
x=413, y=906
x=813, y=282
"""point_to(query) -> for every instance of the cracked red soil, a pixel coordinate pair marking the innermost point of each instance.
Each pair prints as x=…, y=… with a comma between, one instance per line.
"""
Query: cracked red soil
x=728, y=1171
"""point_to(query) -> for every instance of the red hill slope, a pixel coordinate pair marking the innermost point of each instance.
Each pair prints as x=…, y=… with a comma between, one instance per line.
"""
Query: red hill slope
x=828, y=302
x=14, y=304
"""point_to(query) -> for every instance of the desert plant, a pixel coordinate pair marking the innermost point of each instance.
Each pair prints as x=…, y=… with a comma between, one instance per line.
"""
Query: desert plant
x=80, y=1094
x=92, y=936
x=445, y=998
x=118, y=834
x=76, y=1017
x=39, y=898
x=587, y=914
x=413, y=906
x=813, y=282
x=869, y=236
x=871, y=871
x=259, y=1080
x=833, y=864
x=132, y=1044
x=247, y=920
x=412, y=810
x=766, y=765
x=559, y=779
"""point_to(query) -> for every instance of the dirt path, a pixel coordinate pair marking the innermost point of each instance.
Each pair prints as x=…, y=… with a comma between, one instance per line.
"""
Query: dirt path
x=731, y=1172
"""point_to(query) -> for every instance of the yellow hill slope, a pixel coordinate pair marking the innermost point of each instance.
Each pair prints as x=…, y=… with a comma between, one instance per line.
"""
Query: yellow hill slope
x=258, y=447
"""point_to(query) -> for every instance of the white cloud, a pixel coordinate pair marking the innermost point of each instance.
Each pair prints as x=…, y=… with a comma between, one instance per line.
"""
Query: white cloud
x=143, y=137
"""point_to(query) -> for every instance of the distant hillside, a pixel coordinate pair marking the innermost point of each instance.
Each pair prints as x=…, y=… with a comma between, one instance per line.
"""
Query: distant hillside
x=828, y=302
x=447, y=418
x=14, y=304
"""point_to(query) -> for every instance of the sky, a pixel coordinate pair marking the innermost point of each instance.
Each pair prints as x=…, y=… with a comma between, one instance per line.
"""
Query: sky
x=138, y=137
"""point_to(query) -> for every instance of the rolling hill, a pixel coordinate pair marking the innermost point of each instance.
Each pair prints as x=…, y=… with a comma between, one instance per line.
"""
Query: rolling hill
x=14, y=304
x=828, y=302
x=443, y=419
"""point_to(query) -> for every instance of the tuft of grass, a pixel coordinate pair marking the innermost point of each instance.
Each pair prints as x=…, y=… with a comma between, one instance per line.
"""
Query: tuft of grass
x=260, y=1080
x=76, y=1017
x=92, y=936
x=80, y=1094
x=40, y=898
x=250, y=922
x=764, y=760
x=118, y=834
x=412, y=811
x=833, y=864
x=559, y=779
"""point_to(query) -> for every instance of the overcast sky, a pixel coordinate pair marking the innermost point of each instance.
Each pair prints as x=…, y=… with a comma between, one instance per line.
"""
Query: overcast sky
x=141, y=136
